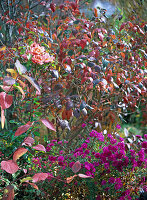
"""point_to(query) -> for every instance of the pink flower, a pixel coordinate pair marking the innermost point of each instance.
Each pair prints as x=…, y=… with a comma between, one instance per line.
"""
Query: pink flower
x=48, y=58
x=118, y=126
x=36, y=49
x=38, y=59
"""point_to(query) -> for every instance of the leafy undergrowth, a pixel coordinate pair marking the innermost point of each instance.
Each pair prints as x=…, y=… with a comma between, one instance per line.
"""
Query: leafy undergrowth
x=67, y=84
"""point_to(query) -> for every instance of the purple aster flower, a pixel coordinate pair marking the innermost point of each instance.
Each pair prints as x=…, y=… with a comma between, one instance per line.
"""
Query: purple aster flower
x=145, y=136
x=97, y=155
x=51, y=144
x=118, y=186
x=110, y=136
x=103, y=182
x=106, y=165
x=111, y=180
x=118, y=180
x=84, y=145
x=92, y=133
x=48, y=148
x=138, y=136
x=113, y=141
x=118, y=126
x=144, y=144
x=60, y=158
x=71, y=164
x=52, y=158
x=98, y=198
x=83, y=125
x=87, y=151
x=107, y=188
x=122, y=198
x=87, y=166
x=121, y=145
x=126, y=193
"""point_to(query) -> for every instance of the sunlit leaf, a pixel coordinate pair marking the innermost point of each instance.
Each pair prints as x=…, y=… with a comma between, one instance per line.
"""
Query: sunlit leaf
x=48, y=124
x=26, y=179
x=18, y=153
x=21, y=90
x=39, y=177
x=69, y=179
x=33, y=82
x=76, y=167
x=2, y=118
x=9, y=166
x=22, y=129
x=28, y=141
x=34, y=185
x=20, y=68
x=39, y=147
x=83, y=176
x=5, y=100
x=13, y=73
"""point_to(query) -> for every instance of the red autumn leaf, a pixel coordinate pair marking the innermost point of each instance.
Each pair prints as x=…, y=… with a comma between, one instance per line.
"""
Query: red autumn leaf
x=22, y=129
x=95, y=12
x=18, y=153
x=122, y=26
x=73, y=5
x=69, y=114
x=101, y=36
x=48, y=124
x=76, y=167
x=39, y=147
x=83, y=176
x=83, y=43
x=34, y=185
x=28, y=141
x=8, y=193
x=123, y=55
x=69, y=179
x=9, y=166
x=5, y=100
x=6, y=88
x=52, y=6
x=39, y=177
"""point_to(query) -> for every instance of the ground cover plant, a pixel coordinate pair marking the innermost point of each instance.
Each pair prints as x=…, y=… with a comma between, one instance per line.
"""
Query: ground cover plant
x=67, y=83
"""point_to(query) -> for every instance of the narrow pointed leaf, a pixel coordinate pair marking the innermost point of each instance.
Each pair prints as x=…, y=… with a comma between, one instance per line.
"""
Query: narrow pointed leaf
x=48, y=124
x=26, y=179
x=22, y=92
x=2, y=118
x=33, y=82
x=83, y=176
x=34, y=186
x=22, y=129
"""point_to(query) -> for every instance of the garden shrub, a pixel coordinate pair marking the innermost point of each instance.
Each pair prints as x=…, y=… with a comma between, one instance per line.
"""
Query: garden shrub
x=78, y=78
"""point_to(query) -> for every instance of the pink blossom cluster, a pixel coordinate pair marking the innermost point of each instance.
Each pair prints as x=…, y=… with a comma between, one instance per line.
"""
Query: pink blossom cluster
x=39, y=54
